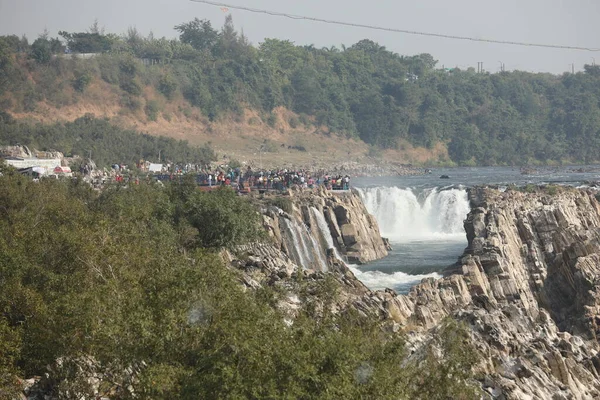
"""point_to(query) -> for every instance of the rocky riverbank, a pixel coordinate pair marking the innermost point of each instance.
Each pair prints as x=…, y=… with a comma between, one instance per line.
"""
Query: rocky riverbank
x=312, y=221
x=526, y=286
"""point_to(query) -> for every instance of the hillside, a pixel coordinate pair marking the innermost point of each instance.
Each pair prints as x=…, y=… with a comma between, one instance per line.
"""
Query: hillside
x=355, y=104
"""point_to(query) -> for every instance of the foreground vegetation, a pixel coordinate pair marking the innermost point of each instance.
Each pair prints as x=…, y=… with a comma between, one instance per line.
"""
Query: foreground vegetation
x=127, y=286
x=361, y=91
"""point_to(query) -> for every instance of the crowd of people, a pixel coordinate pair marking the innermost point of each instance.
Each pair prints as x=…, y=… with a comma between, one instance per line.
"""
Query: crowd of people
x=279, y=179
x=240, y=178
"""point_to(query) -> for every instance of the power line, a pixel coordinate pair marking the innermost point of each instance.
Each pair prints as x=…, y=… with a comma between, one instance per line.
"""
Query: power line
x=380, y=28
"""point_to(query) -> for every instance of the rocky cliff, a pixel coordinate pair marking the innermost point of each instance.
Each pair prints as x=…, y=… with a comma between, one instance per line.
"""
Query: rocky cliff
x=527, y=284
x=315, y=221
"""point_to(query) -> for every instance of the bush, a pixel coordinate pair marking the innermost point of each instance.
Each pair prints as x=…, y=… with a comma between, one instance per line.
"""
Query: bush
x=285, y=203
x=129, y=66
x=444, y=371
x=131, y=86
x=272, y=120
x=167, y=86
x=152, y=109
x=40, y=51
x=222, y=218
x=30, y=98
x=553, y=190
x=82, y=80
x=130, y=102
x=298, y=147
x=109, y=68
x=304, y=120
x=10, y=344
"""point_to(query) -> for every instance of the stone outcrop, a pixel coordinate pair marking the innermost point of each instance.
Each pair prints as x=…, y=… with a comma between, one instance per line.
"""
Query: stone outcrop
x=301, y=234
x=527, y=285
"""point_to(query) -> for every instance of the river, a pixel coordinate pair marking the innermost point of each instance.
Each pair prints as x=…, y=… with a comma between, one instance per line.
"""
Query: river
x=423, y=216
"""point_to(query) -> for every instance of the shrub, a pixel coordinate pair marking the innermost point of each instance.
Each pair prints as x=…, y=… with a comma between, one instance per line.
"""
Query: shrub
x=553, y=190
x=222, y=218
x=285, y=203
x=130, y=102
x=82, y=80
x=272, y=120
x=30, y=98
x=109, y=68
x=152, y=109
x=40, y=51
x=10, y=344
x=131, y=86
x=304, y=120
x=128, y=66
x=167, y=86
x=447, y=372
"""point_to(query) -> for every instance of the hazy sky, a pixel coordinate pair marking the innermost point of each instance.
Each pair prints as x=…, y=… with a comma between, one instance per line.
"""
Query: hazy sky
x=560, y=22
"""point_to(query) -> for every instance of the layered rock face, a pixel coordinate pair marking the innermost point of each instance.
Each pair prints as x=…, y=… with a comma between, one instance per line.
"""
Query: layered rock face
x=527, y=286
x=323, y=220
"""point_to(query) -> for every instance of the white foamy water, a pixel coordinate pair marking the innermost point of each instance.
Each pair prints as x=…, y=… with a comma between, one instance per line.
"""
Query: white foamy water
x=305, y=249
x=318, y=251
x=404, y=215
x=425, y=229
x=325, y=232
x=399, y=281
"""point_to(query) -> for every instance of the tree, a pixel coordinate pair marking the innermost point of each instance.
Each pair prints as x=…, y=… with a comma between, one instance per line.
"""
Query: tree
x=465, y=147
x=5, y=54
x=41, y=50
x=167, y=85
x=307, y=91
x=199, y=34
x=87, y=42
x=593, y=70
x=222, y=218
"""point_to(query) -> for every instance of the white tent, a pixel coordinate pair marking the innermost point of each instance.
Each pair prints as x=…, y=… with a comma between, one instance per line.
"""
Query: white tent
x=155, y=167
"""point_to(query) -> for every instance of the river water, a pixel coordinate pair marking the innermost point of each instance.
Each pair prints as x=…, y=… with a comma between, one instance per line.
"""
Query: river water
x=423, y=216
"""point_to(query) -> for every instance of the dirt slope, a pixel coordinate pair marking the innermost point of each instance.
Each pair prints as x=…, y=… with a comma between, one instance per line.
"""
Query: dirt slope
x=247, y=138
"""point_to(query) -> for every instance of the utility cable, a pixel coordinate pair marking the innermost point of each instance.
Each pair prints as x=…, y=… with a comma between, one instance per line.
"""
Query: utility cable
x=380, y=28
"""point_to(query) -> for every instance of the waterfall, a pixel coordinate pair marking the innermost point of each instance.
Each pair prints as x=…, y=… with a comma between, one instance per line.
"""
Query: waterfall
x=405, y=214
x=318, y=251
x=426, y=228
x=304, y=248
x=325, y=232
x=298, y=253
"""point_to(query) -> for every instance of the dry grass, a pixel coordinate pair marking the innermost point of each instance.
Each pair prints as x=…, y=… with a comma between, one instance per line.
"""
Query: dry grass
x=236, y=136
